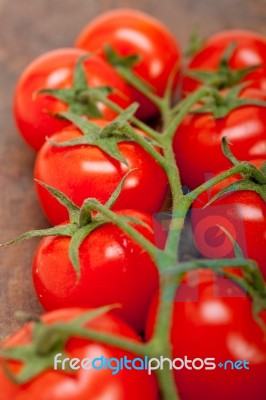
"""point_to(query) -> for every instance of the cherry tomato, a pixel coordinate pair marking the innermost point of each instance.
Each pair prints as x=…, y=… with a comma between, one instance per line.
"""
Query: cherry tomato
x=250, y=51
x=133, y=32
x=113, y=270
x=213, y=318
x=197, y=142
x=86, y=171
x=257, y=79
x=80, y=384
x=241, y=213
x=54, y=70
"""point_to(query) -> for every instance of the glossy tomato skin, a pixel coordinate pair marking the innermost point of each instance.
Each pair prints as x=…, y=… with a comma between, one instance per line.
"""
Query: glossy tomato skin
x=86, y=171
x=85, y=384
x=213, y=319
x=54, y=70
x=114, y=270
x=257, y=78
x=133, y=32
x=241, y=213
x=250, y=50
x=197, y=142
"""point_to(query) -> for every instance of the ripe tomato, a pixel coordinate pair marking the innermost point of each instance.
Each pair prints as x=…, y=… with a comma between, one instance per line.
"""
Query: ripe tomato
x=250, y=50
x=213, y=319
x=241, y=213
x=81, y=384
x=54, y=70
x=257, y=79
x=197, y=142
x=113, y=268
x=86, y=171
x=133, y=32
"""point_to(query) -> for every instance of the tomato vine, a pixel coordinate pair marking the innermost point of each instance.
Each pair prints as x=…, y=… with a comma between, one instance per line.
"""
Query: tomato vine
x=170, y=268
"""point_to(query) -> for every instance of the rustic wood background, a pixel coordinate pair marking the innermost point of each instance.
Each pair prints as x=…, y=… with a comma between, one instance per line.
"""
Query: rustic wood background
x=29, y=28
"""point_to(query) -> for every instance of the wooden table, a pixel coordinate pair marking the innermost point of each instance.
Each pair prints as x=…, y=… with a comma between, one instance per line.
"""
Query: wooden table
x=29, y=28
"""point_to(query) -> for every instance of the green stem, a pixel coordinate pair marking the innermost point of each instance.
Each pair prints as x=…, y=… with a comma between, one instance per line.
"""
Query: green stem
x=165, y=377
x=179, y=209
x=139, y=124
x=215, y=264
x=237, y=169
x=106, y=338
x=161, y=339
x=165, y=115
x=150, y=248
x=251, y=171
x=167, y=383
x=163, y=327
x=184, y=107
x=175, y=228
x=166, y=101
x=140, y=85
x=180, y=204
x=168, y=286
x=191, y=196
x=164, y=163
x=173, y=175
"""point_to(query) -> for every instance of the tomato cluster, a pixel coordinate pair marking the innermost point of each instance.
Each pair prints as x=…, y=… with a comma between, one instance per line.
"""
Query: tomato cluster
x=102, y=175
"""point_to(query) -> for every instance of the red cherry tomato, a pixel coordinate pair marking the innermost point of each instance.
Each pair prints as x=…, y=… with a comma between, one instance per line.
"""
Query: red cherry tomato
x=113, y=270
x=250, y=50
x=257, y=78
x=241, y=213
x=54, y=70
x=197, y=142
x=86, y=171
x=213, y=318
x=133, y=32
x=80, y=384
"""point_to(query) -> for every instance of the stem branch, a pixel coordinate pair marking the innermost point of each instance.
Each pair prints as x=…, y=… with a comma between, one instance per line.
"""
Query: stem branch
x=149, y=247
x=139, y=124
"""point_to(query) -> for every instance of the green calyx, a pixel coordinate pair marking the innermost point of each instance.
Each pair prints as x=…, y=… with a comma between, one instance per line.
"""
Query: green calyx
x=107, y=137
x=224, y=77
x=119, y=61
x=81, y=99
x=195, y=44
x=220, y=105
x=82, y=221
x=124, y=67
x=47, y=341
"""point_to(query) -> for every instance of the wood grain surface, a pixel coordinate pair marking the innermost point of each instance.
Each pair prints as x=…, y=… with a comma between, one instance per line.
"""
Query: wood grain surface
x=30, y=27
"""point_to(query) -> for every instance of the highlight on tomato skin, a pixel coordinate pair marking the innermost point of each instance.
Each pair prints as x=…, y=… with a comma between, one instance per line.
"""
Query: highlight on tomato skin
x=81, y=384
x=33, y=111
x=114, y=269
x=85, y=171
x=131, y=32
x=214, y=318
